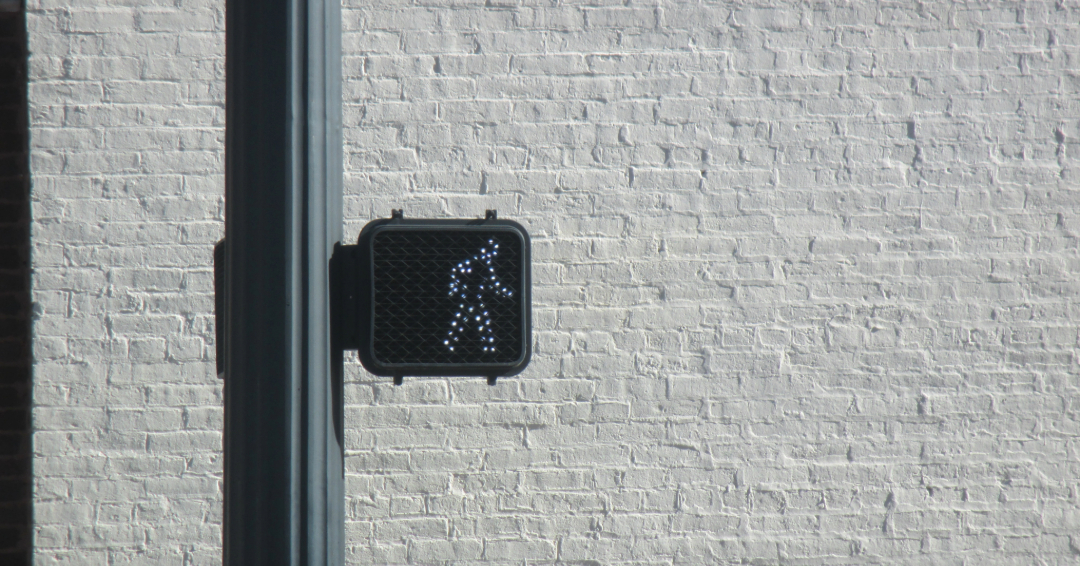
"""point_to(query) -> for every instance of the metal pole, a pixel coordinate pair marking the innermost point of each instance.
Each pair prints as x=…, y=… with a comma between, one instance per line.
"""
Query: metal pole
x=284, y=494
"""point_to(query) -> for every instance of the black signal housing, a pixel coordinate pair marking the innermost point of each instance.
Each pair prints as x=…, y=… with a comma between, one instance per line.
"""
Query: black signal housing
x=438, y=297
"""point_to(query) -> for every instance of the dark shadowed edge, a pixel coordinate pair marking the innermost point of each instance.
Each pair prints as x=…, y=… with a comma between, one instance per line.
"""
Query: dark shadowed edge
x=15, y=312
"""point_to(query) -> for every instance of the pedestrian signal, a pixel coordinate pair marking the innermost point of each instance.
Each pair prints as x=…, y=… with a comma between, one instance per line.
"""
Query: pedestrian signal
x=442, y=297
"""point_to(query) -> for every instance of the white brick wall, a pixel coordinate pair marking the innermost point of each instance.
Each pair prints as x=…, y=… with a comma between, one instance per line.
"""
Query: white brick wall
x=806, y=280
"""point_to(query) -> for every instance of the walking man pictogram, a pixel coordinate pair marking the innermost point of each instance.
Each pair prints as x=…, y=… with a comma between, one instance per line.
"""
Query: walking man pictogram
x=473, y=283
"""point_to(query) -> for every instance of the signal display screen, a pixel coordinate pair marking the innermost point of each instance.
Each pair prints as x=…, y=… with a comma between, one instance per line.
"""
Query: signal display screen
x=447, y=297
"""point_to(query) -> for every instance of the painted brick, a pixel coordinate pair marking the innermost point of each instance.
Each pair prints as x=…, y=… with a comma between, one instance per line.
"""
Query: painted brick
x=805, y=281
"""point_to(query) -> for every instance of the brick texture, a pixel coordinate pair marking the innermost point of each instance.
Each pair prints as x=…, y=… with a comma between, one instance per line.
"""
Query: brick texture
x=15, y=432
x=806, y=281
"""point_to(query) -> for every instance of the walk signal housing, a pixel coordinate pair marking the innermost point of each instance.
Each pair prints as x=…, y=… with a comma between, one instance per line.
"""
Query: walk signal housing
x=436, y=297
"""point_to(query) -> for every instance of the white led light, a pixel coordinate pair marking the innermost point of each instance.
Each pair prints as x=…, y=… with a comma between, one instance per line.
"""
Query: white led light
x=458, y=276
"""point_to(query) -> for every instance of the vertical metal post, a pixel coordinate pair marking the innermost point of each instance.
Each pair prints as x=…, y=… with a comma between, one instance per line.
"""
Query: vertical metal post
x=284, y=493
